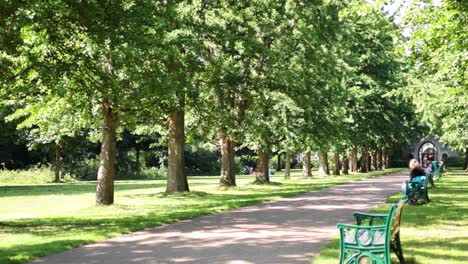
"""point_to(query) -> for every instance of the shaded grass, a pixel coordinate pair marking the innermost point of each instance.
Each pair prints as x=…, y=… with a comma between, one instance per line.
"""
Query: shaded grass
x=38, y=220
x=431, y=234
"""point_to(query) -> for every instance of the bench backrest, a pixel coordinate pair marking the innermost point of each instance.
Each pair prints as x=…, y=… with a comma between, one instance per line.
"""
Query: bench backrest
x=371, y=243
x=419, y=184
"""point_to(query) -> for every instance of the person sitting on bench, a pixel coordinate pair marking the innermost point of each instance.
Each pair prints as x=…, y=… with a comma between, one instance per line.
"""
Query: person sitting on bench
x=417, y=173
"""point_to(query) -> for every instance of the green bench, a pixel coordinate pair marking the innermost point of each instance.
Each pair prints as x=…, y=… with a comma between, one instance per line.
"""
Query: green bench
x=373, y=237
x=417, y=191
x=438, y=169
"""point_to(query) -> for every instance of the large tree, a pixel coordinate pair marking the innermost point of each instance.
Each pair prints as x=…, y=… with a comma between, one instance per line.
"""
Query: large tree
x=437, y=47
x=378, y=119
x=101, y=56
x=254, y=50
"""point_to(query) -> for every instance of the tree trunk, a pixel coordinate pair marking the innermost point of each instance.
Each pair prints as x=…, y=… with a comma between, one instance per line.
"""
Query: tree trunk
x=263, y=175
x=137, y=156
x=384, y=164
x=278, y=165
x=465, y=167
x=375, y=165
x=386, y=159
x=58, y=162
x=369, y=162
x=323, y=160
x=354, y=159
x=228, y=172
x=379, y=160
x=364, y=160
x=345, y=163
x=105, y=177
x=176, y=177
x=336, y=163
x=287, y=165
x=306, y=166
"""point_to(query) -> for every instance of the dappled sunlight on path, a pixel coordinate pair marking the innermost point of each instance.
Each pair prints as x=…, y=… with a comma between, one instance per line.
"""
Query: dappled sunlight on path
x=289, y=230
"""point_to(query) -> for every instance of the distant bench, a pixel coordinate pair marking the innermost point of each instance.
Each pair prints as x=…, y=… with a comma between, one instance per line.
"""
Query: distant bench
x=417, y=190
x=373, y=237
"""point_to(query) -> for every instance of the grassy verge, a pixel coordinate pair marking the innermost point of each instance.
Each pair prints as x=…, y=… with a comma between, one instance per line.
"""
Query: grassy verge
x=431, y=234
x=30, y=176
x=37, y=220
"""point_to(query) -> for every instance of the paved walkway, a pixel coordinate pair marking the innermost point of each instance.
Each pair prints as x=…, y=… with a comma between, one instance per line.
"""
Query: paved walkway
x=290, y=230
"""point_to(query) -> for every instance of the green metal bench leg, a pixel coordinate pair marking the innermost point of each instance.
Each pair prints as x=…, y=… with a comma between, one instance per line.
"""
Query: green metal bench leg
x=426, y=196
x=396, y=247
x=431, y=182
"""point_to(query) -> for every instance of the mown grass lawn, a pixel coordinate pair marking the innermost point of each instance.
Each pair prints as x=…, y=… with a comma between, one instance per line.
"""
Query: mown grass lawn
x=37, y=220
x=436, y=233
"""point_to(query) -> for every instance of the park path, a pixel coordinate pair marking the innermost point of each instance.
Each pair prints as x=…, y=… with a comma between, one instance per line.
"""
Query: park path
x=289, y=230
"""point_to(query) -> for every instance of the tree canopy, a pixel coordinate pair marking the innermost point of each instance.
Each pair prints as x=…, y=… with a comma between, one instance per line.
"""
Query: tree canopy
x=261, y=77
x=437, y=49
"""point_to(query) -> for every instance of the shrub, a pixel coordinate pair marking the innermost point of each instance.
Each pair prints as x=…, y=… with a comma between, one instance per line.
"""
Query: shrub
x=455, y=162
x=398, y=163
x=202, y=161
x=33, y=175
x=82, y=169
x=154, y=173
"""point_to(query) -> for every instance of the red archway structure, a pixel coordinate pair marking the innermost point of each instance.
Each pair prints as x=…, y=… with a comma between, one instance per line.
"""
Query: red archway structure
x=427, y=151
